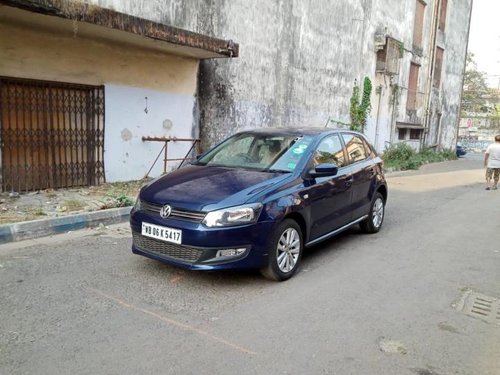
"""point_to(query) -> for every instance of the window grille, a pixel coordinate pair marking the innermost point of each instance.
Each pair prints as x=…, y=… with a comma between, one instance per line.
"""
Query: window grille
x=51, y=135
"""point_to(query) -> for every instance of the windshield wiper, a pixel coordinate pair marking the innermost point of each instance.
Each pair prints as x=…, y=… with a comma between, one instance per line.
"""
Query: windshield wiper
x=276, y=171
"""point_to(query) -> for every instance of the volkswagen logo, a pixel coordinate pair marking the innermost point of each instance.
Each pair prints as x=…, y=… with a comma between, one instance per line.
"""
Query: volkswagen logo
x=165, y=211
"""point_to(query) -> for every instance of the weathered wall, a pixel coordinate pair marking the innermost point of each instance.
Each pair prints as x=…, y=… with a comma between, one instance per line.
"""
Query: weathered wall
x=129, y=116
x=454, y=42
x=386, y=108
x=296, y=66
x=68, y=57
x=298, y=61
x=130, y=75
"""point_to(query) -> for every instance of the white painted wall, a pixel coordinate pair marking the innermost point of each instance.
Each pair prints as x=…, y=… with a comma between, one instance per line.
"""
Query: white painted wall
x=129, y=74
x=126, y=156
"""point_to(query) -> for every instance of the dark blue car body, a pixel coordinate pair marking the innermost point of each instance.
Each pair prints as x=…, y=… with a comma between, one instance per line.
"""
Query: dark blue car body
x=460, y=150
x=322, y=206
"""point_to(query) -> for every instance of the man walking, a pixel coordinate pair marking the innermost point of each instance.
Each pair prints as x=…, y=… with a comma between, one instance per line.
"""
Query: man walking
x=492, y=164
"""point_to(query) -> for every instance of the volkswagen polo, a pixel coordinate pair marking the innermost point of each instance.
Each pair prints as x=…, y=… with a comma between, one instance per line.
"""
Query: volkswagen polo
x=259, y=198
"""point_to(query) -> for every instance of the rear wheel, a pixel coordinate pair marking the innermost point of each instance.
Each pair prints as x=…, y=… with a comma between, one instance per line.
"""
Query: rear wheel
x=373, y=222
x=285, y=251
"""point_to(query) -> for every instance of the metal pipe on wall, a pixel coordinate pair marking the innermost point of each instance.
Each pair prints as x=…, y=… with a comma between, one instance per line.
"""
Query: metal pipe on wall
x=430, y=75
x=378, y=91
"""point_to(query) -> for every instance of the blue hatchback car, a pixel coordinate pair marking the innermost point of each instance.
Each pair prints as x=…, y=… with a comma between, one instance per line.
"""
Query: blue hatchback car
x=257, y=199
x=460, y=150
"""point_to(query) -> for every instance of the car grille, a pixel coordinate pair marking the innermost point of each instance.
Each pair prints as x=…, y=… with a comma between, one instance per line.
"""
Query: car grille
x=161, y=248
x=194, y=216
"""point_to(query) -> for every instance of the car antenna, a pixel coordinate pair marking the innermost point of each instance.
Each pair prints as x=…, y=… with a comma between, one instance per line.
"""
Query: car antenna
x=327, y=122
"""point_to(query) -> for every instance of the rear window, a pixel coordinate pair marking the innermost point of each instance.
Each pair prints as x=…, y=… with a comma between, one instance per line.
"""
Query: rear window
x=357, y=149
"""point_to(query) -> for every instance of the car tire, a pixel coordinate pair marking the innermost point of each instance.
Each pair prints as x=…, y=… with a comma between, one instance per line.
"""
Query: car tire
x=285, y=251
x=373, y=222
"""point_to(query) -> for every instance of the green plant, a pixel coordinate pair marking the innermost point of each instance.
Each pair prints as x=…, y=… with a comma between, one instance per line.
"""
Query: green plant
x=124, y=201
x=360, y=108
x=401, y=151
x=401, y=49
x=121, y=200
x=401, y=156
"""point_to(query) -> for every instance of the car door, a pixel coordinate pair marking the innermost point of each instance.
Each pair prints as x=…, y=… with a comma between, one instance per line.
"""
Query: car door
x=329, y=197
x=363, y=171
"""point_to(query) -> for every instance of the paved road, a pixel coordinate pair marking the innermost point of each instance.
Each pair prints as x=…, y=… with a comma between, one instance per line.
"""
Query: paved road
x=362, y=304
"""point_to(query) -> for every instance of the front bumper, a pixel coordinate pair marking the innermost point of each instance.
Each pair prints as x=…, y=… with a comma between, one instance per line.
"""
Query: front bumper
x=200, y=244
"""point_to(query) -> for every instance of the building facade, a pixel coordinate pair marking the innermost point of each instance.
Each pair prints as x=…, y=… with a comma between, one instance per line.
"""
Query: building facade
x=296, y=65
x=80, y=86
x=299, y=61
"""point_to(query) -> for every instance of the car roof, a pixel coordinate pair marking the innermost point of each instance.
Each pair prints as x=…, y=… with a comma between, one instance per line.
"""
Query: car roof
x=294, y=131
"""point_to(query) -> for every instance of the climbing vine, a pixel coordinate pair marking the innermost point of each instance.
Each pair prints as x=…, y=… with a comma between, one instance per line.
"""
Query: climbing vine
x=395, y=94
x=401, y=49
x=360, y=109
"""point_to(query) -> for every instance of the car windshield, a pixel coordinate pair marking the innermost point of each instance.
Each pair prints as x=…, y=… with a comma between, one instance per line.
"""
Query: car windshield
x=265, y=152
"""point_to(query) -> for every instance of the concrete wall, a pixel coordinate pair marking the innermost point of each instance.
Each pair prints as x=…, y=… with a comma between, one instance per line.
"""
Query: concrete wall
x=298, y=61
x=454, y=43
x=65, y=56
x=129, y=76
x=127, y=157
x=297, y=65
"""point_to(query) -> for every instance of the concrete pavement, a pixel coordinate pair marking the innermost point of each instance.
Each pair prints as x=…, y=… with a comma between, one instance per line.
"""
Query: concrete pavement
x=392, y=303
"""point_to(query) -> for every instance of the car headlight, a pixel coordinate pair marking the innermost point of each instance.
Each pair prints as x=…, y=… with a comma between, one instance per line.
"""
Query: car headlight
x=137, y=205
x=230, y=216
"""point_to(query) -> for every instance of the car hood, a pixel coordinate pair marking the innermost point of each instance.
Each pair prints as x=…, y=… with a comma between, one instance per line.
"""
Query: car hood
x=206, y=188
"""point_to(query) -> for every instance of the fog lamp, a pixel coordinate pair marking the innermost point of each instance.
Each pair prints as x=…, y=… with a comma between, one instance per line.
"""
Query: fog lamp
x=227, y=253
x=223, y=255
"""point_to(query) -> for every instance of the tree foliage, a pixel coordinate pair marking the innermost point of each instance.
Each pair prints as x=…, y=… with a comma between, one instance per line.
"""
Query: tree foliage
x=476, y=96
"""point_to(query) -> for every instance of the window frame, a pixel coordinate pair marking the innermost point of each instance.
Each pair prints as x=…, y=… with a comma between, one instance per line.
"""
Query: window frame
x=442, y=15
x=414, y=132
x=438, y=68
x=402, y=132
x=412, y=94
x=418, y=24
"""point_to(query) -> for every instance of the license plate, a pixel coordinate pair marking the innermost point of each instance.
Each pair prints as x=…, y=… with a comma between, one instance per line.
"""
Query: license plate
x=162, y=233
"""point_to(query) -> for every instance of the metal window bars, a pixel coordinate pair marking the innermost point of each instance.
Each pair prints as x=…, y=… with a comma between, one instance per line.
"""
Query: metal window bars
x=51, y=135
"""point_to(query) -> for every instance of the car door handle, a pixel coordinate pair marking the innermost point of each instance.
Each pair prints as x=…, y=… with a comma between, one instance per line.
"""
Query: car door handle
x=348, y=181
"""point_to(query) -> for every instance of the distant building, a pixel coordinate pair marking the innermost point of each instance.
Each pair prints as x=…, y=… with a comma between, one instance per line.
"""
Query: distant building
x=478, y=129
x=296, y=65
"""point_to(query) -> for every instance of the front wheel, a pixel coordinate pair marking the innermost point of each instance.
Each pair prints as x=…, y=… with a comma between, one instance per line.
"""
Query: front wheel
x=285, y=251
x=373, y=222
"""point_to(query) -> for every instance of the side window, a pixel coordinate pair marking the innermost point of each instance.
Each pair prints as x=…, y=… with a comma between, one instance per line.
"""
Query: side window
x=355, y=147
x=330, y=151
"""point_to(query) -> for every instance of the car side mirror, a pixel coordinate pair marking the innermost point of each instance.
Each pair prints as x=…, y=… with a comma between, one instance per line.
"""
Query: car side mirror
x=324, y=170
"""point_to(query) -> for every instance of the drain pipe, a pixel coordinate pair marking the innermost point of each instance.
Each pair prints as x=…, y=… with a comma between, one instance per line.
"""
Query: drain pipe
x=463, y=74
x=430, y=75
x=378, y=91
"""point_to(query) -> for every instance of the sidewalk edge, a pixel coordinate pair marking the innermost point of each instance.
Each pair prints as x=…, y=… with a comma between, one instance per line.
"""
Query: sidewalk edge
x=45, y=227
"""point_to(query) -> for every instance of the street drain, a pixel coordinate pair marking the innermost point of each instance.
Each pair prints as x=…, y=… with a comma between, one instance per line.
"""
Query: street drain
x=481, y=306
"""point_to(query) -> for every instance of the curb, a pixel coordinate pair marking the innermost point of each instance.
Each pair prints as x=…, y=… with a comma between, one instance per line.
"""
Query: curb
x=45, y=227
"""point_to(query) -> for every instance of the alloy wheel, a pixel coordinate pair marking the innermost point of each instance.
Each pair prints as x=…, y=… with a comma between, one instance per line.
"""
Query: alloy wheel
x=378, y=212
x=288, y=250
